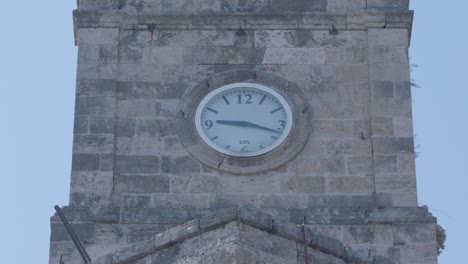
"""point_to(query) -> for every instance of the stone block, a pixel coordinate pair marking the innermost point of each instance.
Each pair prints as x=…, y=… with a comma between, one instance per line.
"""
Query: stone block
x=177, y=234
x=351, y=185
x=181, y=200
x=167, y=255
x=232, y=200
x=224, y=55
x=385, y=164
x=81, y=125
x=403, y=91
x=220, y=217
x=140, y=108
x=347, y=147
x=96, y=88
x=125, y=164
x=349, y=55
x=155, y=128
x=413, y=232
x=345, y=5
x=406, y=164
x=108, y=53
x=92, y=182
x=392, y=54
x=160, y=90
x=86, y=162
x=382, y=126
x=97, y=70
x=303, y=184
x=328, y=243
x=265, y=242
x=403, y=127
x=248, y=184
x=382, y=89
x=95, y=106
x=333, y=100
x=101, y=125
x=372, y=234
x=388, y=37
x=134, y=251
x=194, y=184
x=395, y=183
x=125, y=127
x=142, y=184
x=359, y=165
x=407, y=198
x=362, y=129
x=391, y=108
x=179, y=165
x=163, y=55
x=390, y=72
x=252, y=6
x=93, y=144
x=362, y=21
x=103, y=4
x=393, y=145
x=107, y=162
x=137, y=146
x=299, y=5
x=353, y=73
x=98, y=35
x=85, y=231
x=195, y=38
x=342, y=202
x=388, y=4
x=256, y=219
x=173, y=145
x=328, y=129
x=319, y=165
x=284, y=201
x=299, y=56
x=135, y=200
x=420, y=253
x=152, y=215
x=88, y=53
x=278, y=38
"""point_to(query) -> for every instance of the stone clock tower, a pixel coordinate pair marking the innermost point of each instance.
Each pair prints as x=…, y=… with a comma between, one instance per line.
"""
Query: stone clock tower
x=244, y=131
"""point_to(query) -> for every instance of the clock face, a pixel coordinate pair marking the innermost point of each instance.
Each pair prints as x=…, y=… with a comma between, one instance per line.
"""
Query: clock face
x=243, y=119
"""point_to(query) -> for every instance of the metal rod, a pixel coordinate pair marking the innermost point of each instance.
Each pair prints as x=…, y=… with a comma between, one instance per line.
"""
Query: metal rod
x=76, y=241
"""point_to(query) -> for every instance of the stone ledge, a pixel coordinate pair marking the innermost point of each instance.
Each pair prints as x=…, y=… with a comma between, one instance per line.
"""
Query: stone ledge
x=319, y=20
x=247, y=216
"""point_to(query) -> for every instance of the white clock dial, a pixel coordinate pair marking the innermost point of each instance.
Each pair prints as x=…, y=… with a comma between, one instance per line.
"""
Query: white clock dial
x=243, y=119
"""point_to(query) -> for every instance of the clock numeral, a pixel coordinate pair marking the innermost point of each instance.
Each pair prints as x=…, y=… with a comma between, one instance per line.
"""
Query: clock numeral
x=282, y=124
x=248, y=101
x=263, y=99
x=273, y=137
x=213, y=138
x=244, y=149
x=208, y=124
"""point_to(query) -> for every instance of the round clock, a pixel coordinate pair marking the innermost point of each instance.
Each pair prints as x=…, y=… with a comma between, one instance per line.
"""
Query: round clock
x=243, y=119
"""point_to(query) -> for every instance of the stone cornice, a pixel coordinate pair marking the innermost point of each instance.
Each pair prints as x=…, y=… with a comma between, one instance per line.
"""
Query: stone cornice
x=319, y=20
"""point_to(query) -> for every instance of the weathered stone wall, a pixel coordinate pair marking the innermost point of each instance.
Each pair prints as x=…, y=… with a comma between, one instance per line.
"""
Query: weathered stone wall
x=130, y=81
x=131, y=176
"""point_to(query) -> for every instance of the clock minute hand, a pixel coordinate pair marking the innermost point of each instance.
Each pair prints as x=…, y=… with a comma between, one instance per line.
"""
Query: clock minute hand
x=244, y=124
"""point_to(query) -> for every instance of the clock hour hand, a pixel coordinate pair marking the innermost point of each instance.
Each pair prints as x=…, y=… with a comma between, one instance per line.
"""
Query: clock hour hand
x=245, y=124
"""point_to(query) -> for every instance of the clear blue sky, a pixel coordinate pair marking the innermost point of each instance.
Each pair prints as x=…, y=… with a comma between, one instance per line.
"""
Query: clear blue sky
x=37, y=70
